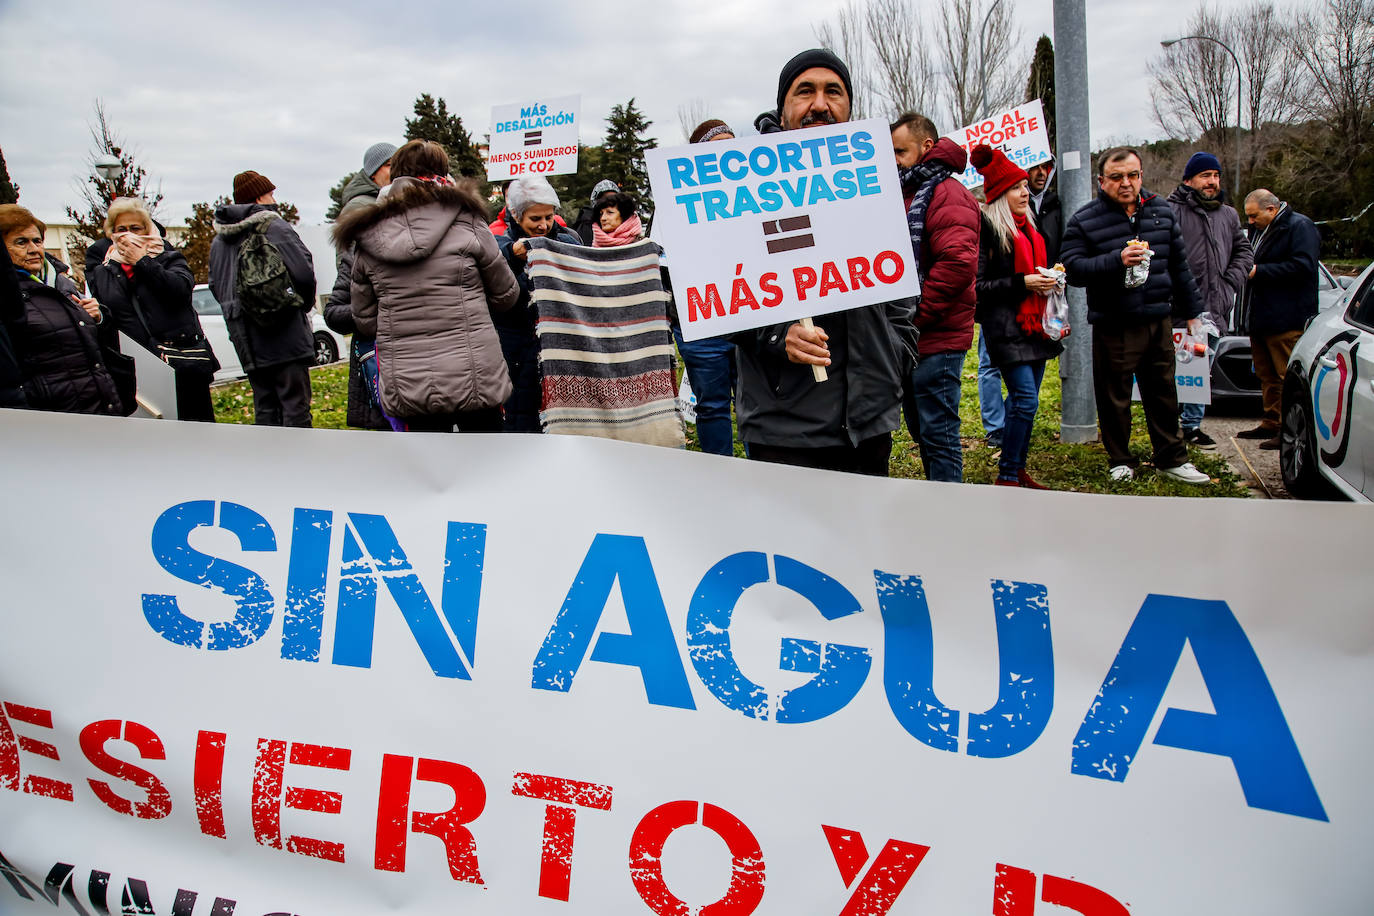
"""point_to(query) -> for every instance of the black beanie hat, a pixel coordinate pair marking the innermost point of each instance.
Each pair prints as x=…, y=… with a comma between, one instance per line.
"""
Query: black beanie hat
x=816, y=57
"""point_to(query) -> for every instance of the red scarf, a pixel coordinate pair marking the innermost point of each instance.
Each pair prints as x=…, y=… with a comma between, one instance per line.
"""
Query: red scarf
x=627, y=233
x=1029, y=246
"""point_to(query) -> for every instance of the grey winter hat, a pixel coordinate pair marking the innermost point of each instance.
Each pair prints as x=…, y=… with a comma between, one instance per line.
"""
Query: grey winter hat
x=523, y=193
x=602, y=187
x=377, y=155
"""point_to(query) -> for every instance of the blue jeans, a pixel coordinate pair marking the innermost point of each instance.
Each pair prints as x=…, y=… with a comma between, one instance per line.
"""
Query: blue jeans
x=990, y=402
x=931, y=403
x=1023, y=400
x=711, y=367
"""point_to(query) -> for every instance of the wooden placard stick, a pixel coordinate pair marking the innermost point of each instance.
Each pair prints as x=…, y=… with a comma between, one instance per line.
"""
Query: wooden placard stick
x=817, y=372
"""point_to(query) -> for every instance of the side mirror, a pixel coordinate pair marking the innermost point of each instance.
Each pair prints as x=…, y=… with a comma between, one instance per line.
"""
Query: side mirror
x=1345, y=282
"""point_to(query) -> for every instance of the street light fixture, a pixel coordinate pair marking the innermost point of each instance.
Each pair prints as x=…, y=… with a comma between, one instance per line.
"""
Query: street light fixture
x=1239, y=92
x=108, y=167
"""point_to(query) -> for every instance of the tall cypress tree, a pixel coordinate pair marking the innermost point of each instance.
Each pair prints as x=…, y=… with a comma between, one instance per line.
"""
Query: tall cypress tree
x=624, y=152
x=1041, y=83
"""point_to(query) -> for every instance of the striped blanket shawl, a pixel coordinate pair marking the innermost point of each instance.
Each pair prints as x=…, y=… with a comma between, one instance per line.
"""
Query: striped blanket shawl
x=605, y=348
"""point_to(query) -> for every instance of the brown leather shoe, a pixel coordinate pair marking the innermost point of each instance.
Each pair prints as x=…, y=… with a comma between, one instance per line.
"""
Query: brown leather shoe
x=1259, y=432
x=1029, y=482
x=1270, y=444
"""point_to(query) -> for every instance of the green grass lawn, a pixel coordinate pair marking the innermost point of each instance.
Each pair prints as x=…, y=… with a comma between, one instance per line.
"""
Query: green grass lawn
x=1080, y=468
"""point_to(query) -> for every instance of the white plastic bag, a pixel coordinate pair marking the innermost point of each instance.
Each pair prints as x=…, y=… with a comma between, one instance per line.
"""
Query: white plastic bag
x=1055, y=322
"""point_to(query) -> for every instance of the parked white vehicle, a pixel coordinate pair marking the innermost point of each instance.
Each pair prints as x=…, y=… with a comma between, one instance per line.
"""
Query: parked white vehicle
x=328, y=345
x=1326, y=444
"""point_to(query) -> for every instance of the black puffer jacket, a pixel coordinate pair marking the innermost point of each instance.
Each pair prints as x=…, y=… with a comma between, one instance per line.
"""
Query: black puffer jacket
x=1049, y=219
x=523, y=316
x=1001, y=290
x=59, y=350
x=260, y=346
x=11, y=310
x=1093, y=241
x=163, y=286
x=1282, y=296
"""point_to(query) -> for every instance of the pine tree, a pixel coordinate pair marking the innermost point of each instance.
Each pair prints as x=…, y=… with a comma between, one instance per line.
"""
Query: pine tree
x=433, y=122
x=1041, y=83
x=336, y=196
x=97, y=192
x=9, y=192
x=625, y=145
x=200, y=232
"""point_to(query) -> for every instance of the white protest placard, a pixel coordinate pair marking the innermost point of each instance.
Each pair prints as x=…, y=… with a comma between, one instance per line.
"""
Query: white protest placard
x=535, y=137
x=1019, y=132
x=226, y=688
x=768, y=229
x=1192, y=374
x=157, y=386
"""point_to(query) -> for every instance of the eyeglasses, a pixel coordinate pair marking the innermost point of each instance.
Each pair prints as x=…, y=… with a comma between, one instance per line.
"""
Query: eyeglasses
x=1118, y=177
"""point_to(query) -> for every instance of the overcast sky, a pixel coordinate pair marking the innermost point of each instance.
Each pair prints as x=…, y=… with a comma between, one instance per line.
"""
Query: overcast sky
x=298, y=90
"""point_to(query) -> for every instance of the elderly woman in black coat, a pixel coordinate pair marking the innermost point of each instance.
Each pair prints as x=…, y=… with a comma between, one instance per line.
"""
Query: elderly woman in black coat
x=146, y=284
x=56, y=335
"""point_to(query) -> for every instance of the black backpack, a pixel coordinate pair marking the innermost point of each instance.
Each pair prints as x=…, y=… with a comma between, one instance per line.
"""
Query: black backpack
x=263, y=285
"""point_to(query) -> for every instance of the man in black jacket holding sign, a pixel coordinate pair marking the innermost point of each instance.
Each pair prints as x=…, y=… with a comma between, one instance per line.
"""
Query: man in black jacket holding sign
x=1105, y=244
x=785, y=416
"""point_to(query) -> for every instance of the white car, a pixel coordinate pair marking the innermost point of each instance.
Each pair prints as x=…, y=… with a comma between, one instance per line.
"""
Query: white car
x=328, y=345
x=1326, y=444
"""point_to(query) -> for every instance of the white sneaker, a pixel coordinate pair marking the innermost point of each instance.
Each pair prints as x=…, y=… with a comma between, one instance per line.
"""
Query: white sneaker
x=1122, y=472
x=1186, y=473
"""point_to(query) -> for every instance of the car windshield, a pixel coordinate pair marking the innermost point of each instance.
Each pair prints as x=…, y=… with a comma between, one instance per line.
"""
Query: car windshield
x=204, y=302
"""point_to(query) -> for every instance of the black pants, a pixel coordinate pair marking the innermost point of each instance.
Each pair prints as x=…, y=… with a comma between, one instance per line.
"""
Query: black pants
x=486, y=420
x=1145, y=352
x=521, y=349
x=281, y=395
x=193, y=397
x=868, y=457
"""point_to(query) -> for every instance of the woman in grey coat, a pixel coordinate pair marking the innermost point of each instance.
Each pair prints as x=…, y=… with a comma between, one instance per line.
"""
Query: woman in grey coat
x=426, y=278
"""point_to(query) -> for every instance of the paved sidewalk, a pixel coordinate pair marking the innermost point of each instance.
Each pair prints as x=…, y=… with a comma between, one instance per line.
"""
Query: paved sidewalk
x=1258, y=467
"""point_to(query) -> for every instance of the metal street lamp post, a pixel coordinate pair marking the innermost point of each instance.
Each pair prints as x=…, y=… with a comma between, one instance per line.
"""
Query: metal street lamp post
x=1240, y=88
x=983, y=62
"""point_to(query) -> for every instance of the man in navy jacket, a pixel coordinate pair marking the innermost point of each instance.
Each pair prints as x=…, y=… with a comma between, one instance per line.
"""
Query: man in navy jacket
x=1280, y=298
x=1132, y=325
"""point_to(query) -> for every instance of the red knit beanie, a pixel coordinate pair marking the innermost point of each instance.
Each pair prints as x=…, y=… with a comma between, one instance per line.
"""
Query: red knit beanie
x=999, y=173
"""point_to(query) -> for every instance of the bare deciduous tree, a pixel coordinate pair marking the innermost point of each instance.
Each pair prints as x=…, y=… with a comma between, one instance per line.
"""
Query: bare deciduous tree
x=690, y=114
x=976, y=42
x=847, y=39
x=1195, y=82
x=1334, y=43
x=1274, y=82
x=902, y=74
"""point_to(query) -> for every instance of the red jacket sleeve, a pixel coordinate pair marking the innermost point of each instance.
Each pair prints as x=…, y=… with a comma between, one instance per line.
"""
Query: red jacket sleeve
x=949, y=253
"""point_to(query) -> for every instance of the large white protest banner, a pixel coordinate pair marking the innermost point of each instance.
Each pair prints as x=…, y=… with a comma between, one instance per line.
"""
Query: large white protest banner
x=550, y=674
x=1018, y=132
x=774, y=228
x=534, y=137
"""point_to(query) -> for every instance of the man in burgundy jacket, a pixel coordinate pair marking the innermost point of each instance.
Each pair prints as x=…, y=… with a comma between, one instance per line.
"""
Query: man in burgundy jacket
x=943, y=219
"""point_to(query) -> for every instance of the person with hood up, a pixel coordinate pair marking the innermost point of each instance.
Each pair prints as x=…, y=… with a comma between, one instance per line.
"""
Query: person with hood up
x=146, y=284
x=426, y=277
x=57, y=333
x=360, y=191
x=531, y=204
x=943, y=220
x=1011, y=304
x=277, y=356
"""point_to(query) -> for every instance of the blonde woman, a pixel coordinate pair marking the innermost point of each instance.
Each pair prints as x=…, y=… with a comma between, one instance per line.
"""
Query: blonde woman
x=1012, y=295
x=146, y=284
